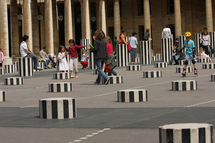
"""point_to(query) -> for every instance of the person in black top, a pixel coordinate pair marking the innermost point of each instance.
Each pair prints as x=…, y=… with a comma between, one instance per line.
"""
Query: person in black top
x=146, y=35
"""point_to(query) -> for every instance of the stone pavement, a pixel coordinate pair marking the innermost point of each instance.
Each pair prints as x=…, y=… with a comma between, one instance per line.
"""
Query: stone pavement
x=100, y=118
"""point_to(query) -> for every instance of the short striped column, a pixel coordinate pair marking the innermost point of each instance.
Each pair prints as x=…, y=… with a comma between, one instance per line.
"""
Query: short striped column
x=63, y=75
x=152, y=74
x=134, y=68
x=213, y=77
x=197, y=42
x=114, y=79
x=16, y=66
x=186, y=133
x=145, y=52
x=25, y=67
x=91, y=63
x=2, y=71
x=156, y=58
x=9, y=68
x=60, y=87
x=136, y=60
x=181, y=62
x=212, y=40
x=42, y=64
x=180, y=69
x=204, y=60
x=122, y=55
x=132, y=95
x=57, y=108
x=160, y=65
x=14, y=81
x=181, y=43
x=2, y=96
x=208, y=66
x=166, y=49
x=184, y=85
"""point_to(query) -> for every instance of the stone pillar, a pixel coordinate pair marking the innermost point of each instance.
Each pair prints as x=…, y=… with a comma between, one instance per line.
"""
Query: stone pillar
x=147, y=18
x=85, y=20
x=14, y=28
x=55, y=25
x=102, y=16
x=49, y=27
x=68, y=21
x=35, y=26
x=117, y=25
x=27, y=22
x=209, y=15
x=177, y=6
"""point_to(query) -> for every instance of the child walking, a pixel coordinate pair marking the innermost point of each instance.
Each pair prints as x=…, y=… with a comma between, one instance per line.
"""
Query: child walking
x=63, y=65
x=1, y=58
x=84, y=62
x=74, y=57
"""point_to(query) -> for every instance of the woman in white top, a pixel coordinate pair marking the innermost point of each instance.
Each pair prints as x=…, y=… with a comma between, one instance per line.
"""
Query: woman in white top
x=206, y=42
x=63, y=65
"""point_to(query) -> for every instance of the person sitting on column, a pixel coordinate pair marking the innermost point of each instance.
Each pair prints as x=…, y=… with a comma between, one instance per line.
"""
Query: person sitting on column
x=146, y=36
x=63, y=65
x=190, y=53
x=44, y=57
x=166, y=32
x=202, y=54
x=122, y=40
x=52, y=58
x=134, y=43
x=176, y=55
x=1, y=58
x=84, y=58
x=25, y=52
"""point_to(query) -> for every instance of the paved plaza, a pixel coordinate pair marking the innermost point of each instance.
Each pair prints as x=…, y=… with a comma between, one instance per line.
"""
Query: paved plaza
x=101, y=119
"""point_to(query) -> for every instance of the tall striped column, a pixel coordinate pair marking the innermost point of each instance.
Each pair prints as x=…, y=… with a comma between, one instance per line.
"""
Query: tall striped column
x=197, y=41
x=122, y=55
x=181, y=43
x=25, y=67
x=166, y=49
x=212, y=39
x=145, y=52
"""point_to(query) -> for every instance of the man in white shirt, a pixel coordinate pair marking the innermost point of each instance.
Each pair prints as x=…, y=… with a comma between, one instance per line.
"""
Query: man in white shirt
x=27, y=53
x=166, y=32
x=133, y=42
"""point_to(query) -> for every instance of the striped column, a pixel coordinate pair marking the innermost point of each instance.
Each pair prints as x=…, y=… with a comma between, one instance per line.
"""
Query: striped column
x=180, y=69
x=14, y=81
x=25, y=67
x=197, y=41
x=132, y=95
x=114, y=80
x=122, y=55
x=181, y=62
x=57, y=108
x=63, y=75
x=42, y=64
x=186, y=133
x=60, y=87
x=184, y=85
x=156, y=58
x=134, y=68
x=145, y=52
x=16, y=66
x=9, y=68
x=213, y=77
x=204, y=60
x=212, y=40
x=166, y=49
x=2, y=71
x=160, y=65
x=181, y=43
x=2, y=96
x=208, y=66
x=152, y=74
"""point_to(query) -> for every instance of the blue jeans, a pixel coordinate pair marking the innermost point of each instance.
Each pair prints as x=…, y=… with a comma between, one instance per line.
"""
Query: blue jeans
x=134, y=53
x=34, y=57
x=46, y=61
x=112, y=72
x=99, y=65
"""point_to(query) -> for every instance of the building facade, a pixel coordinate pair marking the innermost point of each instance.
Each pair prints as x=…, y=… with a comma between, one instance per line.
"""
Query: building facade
x=53, y=22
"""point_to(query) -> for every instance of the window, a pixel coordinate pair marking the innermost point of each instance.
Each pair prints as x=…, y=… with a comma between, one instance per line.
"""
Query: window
x=141, y=7
x=170, y=7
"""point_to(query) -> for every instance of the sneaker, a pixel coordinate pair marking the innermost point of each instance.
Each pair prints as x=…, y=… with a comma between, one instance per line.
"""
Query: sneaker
x=72, y=76
x=107, y=81
x=38, y=68
x=76, y=76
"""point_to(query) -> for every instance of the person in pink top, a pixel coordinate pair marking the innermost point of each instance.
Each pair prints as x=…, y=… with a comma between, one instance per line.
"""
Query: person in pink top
x=74, y=57
x=1, y=58
x=203, y=55
x=111, y=56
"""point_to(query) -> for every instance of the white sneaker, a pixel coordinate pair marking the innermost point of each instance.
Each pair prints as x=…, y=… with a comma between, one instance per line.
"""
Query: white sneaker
x=76, y=76
x=38, y=68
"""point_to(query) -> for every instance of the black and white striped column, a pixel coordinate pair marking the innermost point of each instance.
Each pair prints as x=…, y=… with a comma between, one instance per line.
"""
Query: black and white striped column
x=63, y=75
x=84, y=42
x=145, y=52
x=2, y=71
x=25, y=67
x=184, y=85
x=208, y=66
x=152, y=74
x=58, y=108
x=156, y=58
x=213, y=77
x=212, y=39
x=114, y=79
x=122, y=55
x=204, y=60
x=186, y=133
x=160, y=65
x=16, y=66
x=134, y=68
x=42, y=64
x=2, y=96
x=14, y=81
x=60, y=87
x=180, y=69
x=197, y=42
x=181, y=62
x=132, y=95
x=166, y=49
x=181, y=43
x=127, y=39
x=9, y=68
x=91, y=61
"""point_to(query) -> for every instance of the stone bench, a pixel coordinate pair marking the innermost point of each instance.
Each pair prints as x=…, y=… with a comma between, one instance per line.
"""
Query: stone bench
x=161, y=65
x=186, y=133
x=57, y=108
x=204, y=60
x=134, y=68
x=14, y=81
x=180, y=69
x=63, y=75
x=2, y=96
x=114, y=79
x=208, y=66
x=184, y=85
x=152, y=74
x=60, y=87
x=132, y=95
x=213, y=77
